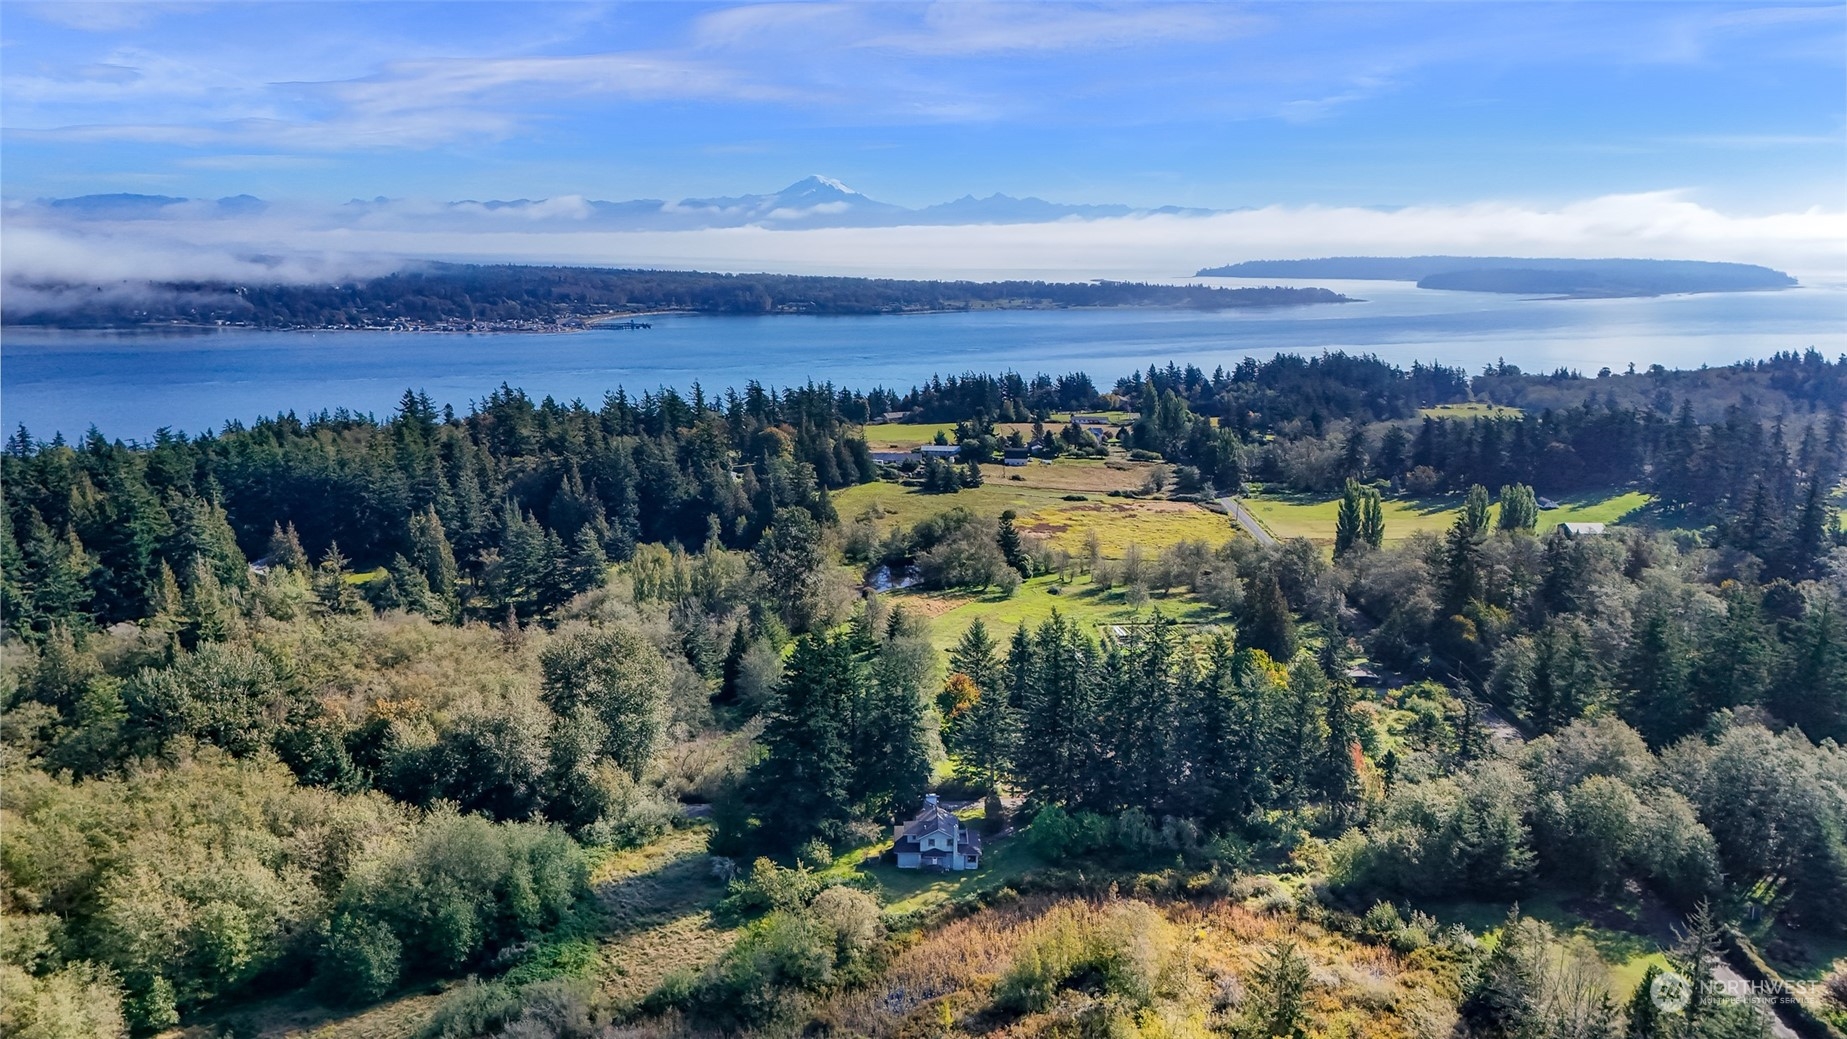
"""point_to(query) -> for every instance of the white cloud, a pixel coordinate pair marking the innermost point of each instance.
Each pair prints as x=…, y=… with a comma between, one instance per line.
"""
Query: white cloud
x=296, y=244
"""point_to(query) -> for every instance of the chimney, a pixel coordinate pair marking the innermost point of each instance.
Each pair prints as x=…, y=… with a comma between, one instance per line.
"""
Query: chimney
x=929, y=801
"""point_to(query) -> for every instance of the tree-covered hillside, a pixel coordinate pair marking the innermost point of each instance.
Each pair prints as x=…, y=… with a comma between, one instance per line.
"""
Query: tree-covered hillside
x=453, y=296
x=412, y=726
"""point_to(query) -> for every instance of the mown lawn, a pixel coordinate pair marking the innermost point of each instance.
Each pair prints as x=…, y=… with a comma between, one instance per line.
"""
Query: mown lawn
x=1003, y=861
x=1313, y=516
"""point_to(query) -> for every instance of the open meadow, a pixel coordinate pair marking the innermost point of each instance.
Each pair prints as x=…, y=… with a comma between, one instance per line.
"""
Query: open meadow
x=1043, y=496
x=1313, y=516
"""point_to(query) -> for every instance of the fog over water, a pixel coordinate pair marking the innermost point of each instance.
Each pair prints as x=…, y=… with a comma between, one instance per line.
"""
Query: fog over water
x=130, y=384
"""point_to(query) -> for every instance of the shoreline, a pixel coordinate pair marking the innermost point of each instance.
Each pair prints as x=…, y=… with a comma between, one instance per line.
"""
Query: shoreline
x=591, y=322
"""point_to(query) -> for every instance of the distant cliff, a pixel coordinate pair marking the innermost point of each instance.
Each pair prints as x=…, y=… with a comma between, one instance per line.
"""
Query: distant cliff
x=1524, y=276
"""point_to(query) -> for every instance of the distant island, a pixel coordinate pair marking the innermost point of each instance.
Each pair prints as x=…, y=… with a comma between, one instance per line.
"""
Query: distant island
x=1573, y=279
x=470, y=298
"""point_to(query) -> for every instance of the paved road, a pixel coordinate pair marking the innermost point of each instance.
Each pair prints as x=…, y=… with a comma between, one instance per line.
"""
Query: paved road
x=1247, y=521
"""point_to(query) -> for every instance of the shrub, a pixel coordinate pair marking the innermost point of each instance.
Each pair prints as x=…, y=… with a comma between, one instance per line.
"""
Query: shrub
x=1122, y=951
x=463, y=889
x=81, y=1001
x=815, y=854
x=544, y=1010
x=360, y=960
x=853, y=917
x=778, y=959
x=770, y=887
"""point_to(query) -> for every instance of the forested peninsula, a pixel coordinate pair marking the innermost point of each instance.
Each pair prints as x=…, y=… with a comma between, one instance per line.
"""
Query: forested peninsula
x=448, y=297
x=1582, y=279
x=1500, y=698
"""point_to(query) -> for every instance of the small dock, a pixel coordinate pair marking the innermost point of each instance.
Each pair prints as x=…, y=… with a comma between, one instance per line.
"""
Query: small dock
x=626, y=325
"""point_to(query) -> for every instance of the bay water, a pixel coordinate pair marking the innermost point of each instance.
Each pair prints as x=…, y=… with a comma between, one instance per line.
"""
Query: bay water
x=129, y=384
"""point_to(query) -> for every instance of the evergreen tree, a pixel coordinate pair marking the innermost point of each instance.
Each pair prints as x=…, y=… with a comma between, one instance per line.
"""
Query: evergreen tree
x=1139, y=718
x=587, y=566
x=1645, y=1019
x=1519, y=509
x=1008, y=537
x=980, y=735
x=1394, y=453
x=890, y=764
x=1738, y=655
x=1474, y=515
x=1054, y=762
x=1268, y=624
x=802, y=788
x=1360, y=520
x=1338, y=778
x=733, y=668
x=336, y=593
x=433, y=556
x=1372, y=519
x=1279, y=996
x=285, y=551
x=1693, y=958
x=1347, y=521
x=794, y=561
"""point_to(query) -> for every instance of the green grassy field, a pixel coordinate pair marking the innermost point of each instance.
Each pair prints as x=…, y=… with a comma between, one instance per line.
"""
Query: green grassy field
x=1312, y=516
x=1087, y=605
x=1038, y=496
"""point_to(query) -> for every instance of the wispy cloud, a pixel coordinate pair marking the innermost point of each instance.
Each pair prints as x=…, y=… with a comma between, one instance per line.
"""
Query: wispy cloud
x=288, y=243
x=969, y=29
x=99, y=15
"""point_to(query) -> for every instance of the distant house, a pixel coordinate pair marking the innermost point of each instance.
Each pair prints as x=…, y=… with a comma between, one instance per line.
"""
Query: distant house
x=1090, y=420
x=1016, y=456
x=1547, y=504
x=893, y=457
x=892, y=416
x=1581, y=530
x=941, y=450
x=1361, y=675
x=936, y=840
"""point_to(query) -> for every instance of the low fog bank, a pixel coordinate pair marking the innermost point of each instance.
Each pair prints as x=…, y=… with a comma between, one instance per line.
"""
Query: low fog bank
x=52, y=258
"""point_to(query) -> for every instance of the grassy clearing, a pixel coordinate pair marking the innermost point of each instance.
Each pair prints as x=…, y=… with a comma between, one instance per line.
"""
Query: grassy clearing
x=1039, y=497
x=1089, y=606
x=657, y=902
x=1621, y=934
x=902, y=891
x=1120, y=523
x=1472, y=409
x=903, y=436
x=1313, y=516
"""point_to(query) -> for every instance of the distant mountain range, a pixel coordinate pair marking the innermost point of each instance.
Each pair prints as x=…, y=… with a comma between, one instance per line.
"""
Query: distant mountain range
x=1577, y=279
x=812, y=202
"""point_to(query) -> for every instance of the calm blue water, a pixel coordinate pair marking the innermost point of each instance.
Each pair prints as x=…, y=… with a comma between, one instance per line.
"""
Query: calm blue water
x=131, y=384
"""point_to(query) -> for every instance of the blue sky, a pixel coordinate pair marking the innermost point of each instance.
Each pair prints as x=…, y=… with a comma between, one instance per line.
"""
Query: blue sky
x=1739, y=107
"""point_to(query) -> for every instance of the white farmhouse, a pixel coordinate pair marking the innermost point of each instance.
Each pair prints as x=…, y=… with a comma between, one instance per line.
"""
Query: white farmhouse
x=936, y=840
